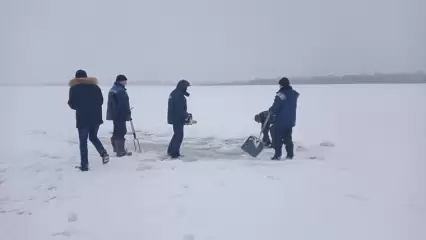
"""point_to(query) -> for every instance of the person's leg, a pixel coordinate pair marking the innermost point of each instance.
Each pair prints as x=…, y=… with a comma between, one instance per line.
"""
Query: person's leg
x=83, y=134
x=288, y=141
x=113, y=137
x=93, y=137
x=277, y=143
x=120, y=140
x=170, y=147
x=179, y=138
x=271, y=131
x=172, y=143
x=176, y=140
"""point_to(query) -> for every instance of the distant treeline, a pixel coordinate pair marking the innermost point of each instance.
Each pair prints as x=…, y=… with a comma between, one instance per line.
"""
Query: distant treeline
x=378, y=78
x=345, y=79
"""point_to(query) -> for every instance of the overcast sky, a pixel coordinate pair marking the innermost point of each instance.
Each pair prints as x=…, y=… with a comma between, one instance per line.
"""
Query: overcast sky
x=209, y=40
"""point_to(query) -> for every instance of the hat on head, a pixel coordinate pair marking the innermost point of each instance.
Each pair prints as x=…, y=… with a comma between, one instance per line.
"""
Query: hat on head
x=284, y=82
x=80, y=74
x=257, y=118
x=120, y=78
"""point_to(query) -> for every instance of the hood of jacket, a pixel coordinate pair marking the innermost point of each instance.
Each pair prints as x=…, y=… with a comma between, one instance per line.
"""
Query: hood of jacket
x=182, y=86
x=88, y=80
x=285, y=88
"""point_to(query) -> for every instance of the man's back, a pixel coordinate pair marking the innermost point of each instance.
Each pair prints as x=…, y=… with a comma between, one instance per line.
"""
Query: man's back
x=86, y=98
x=176, y=107
x=284, y=107
x=118, y=104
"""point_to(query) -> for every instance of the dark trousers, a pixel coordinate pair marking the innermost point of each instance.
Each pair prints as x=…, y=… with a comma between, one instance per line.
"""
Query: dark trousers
x=282, y=136
x=265, y=134
x=119, y=130
x=176, y=141
x=92, y=134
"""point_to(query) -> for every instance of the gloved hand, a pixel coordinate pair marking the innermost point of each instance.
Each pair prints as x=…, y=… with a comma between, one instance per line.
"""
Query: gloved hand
x=188, y=120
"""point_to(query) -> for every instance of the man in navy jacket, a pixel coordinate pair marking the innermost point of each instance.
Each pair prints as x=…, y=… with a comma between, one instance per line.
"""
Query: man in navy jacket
x=118, y=111
x=177, y=116
x=284, y=112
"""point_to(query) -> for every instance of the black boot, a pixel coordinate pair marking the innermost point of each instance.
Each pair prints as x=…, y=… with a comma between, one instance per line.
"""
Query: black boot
x=278, y=152
x=105, y=157
x=114, y=149
x=121, y=150
x=83, y=168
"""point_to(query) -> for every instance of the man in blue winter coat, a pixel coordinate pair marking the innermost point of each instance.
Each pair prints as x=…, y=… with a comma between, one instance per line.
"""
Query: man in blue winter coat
x=284, y=112
x=177, y=116
x=118, y=111
x=85, y=97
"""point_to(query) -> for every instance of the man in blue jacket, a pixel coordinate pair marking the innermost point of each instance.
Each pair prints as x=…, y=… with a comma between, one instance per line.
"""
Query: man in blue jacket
x=177, y=116
x=85, y=97
x=284, y=112
x=118, y=111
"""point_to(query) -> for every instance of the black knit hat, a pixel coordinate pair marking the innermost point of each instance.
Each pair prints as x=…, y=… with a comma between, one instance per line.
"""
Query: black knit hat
x=284, y=82
x=120, y=78
x=81, y=74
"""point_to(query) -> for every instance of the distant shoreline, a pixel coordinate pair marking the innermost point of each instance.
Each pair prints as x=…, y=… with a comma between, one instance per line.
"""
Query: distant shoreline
x=401, y=78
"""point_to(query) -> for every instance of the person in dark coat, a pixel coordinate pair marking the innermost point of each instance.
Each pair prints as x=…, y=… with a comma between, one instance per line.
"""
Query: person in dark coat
x=177, y=116
x=85, y=97
x=118, y=111
x=266, y=125
x=284, y=112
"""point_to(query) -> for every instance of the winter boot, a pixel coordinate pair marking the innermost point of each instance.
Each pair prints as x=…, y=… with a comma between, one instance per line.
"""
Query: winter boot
x=121, y=150
x=105, y=157
x=83, y=168
x=175, y=155
x=114, y=149
x=275, y=157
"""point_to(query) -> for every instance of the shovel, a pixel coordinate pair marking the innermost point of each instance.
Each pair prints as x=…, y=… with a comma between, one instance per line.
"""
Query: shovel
x=135, y=138
x=253, y=146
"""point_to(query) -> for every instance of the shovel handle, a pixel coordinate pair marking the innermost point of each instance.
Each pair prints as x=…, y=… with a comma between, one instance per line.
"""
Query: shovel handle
x=264, y=124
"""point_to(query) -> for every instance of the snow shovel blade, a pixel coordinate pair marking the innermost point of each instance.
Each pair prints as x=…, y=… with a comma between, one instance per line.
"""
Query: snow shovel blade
x=253, y=146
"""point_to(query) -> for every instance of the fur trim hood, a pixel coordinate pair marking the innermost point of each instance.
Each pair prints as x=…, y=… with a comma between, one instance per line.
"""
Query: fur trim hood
x=88, y=80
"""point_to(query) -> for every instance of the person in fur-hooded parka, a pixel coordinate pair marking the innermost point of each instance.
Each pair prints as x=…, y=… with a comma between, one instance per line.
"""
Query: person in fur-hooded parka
x=85, y=97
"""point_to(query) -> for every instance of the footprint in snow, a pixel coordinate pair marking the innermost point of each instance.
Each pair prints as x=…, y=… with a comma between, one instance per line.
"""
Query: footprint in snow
x=72, y=217
x=188, y=237
x=327, y=144
x=143, y=168
x=64, y=233
x=50, y=199
x=38, y=132
x=272, y=178
x=356, y=197
x=23, y=213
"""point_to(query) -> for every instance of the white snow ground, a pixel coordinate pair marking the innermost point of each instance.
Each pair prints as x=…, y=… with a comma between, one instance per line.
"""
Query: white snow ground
x=368, y=182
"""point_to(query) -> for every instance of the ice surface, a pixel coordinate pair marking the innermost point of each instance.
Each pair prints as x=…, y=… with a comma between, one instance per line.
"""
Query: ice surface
x=359, y=172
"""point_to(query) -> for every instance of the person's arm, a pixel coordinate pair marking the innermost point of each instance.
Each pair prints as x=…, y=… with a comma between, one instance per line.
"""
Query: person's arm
x=71, y=99
x=123, y=104
x=181, y=108
x=100, y=97
x=277, y=105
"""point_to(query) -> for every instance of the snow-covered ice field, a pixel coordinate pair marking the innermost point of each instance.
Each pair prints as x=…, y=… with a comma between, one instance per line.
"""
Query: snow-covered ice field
x=359, y=171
